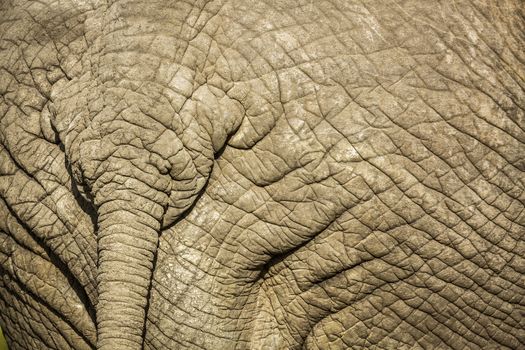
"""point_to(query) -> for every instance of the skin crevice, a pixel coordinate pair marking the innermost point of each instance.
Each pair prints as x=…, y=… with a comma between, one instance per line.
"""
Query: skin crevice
x=52, y=309
x=74, y=283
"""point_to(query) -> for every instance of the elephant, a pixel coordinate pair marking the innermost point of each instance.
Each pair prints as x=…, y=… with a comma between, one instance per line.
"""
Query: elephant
x=262, y=174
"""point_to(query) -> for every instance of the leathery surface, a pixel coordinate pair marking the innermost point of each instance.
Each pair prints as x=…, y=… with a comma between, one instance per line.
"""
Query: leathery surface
x=370, y=194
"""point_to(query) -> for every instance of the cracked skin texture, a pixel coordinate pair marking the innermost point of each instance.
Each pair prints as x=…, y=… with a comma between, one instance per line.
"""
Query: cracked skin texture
x=262, y=174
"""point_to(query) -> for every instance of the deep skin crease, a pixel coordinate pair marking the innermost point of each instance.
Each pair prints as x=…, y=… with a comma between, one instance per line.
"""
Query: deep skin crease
x=262, y=174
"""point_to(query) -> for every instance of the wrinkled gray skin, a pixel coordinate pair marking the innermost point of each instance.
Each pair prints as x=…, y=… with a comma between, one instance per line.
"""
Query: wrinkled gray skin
x=262, y=174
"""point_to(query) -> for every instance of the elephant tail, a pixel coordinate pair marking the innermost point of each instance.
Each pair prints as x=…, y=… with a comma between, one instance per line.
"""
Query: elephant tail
x=130, y=214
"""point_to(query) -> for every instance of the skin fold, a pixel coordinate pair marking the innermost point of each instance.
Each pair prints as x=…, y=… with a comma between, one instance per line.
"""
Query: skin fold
x=262, y=174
